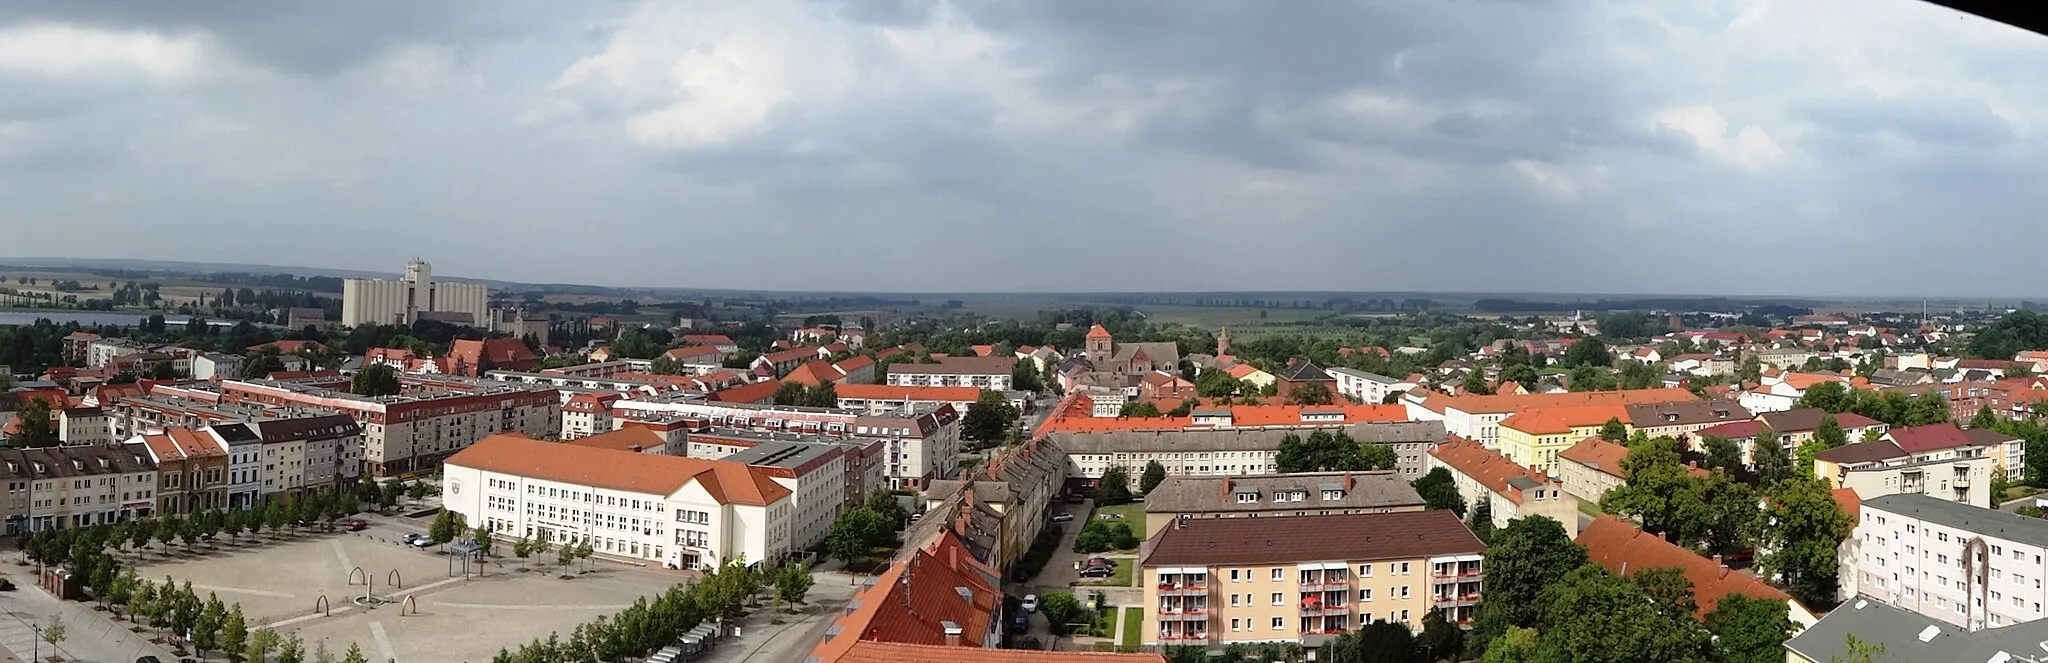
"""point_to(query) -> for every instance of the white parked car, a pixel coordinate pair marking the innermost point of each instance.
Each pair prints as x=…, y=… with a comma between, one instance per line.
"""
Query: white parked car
x=1030, y=603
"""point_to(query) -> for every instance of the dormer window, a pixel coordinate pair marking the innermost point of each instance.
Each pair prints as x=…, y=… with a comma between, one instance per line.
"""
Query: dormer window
x=1332, y=495
x=1247, y=498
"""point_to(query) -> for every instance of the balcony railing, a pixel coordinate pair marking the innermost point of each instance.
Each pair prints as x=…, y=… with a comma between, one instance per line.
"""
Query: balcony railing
x=1326, y=583
x=1183, y=589
x=1194, y=615
x=1325, y=610
x=1183, y=637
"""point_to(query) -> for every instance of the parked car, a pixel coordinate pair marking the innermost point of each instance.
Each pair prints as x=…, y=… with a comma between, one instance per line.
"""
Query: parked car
x=1030, y=604
x=1062, y=517
x=1098, y=572
x=355, y=524
x=418, y=540
x=1075, y=498
x=1020, y=624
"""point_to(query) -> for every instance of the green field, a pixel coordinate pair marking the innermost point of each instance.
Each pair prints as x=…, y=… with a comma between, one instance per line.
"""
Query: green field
x=1134, y=621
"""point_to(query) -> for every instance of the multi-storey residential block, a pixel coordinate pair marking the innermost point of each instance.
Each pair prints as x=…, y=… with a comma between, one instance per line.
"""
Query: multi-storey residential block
x=978, y=372
x=2008, y=454
x=1228, y=451
x=588, y=414
x=1534, y=438
x=880, y=399
x=1679, y=420
x=1903, y=635
x=1303, y=579
x=1938, y=461
x=1478, y=418
x=1793, y=428
x=1593, y=466
x=1367, y=387
x=88, y=426
x=814, y=474
x=920, y=447
x=1509, y=490
x=1972, y=567
x=680, y=512
x=79, y=486
x=414, y=431
x=1275, y=495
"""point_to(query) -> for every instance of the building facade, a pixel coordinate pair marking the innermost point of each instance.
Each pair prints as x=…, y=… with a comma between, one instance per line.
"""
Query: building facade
x=1276, y=495
x=401, y=302
x=1221, y=581
x=1971, y=567
x=1509, y=490
x=413, y=432
x=66, y=487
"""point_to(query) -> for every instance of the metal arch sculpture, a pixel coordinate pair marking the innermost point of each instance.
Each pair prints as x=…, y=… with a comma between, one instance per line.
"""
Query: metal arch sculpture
x=358, y=571
x=321, y=606
x=394, y=579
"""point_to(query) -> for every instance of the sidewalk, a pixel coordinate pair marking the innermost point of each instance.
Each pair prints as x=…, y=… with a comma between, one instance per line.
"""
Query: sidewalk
x=90, y=635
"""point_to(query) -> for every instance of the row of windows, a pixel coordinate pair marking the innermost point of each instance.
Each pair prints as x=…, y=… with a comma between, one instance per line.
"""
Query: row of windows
x=1364, y=571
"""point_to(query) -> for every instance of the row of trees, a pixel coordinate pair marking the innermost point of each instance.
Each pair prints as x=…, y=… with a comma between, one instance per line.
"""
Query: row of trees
x=74, y=545
x=646, y=626
x=1326, y=451
x=1890, y=407
x=857, y=532
x=791, y=393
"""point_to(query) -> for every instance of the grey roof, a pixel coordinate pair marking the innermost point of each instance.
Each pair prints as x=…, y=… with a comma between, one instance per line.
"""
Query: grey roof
x=1988, y=522
x=1196, y=494
x=781, y=453
x=940, y=490
x=1238, y=439
x=1652, y=415
x=1306, y=371
x=1899, y=631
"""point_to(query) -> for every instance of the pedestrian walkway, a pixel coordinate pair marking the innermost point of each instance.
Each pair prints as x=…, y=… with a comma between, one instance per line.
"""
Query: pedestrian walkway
x=89, y=635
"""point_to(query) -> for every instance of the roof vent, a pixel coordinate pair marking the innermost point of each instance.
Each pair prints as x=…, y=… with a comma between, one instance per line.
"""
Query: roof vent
x=965, y=593
x=1927, y=634
x=1860, y=603
x=951, y=628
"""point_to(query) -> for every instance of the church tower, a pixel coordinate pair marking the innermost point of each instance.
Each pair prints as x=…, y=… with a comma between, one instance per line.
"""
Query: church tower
x=1100, y=345
x=1223, y=342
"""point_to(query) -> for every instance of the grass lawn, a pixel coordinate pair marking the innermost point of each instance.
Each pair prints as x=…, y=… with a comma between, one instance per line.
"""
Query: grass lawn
x=1133, y=515
x=1121, y=578
x=1589, y=508
x=1134, y=619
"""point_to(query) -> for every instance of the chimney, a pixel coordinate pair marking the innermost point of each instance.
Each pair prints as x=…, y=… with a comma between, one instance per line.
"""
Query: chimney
x=953, y=632
x=1225, y=483
x=1722, y=564
x=1347, y=482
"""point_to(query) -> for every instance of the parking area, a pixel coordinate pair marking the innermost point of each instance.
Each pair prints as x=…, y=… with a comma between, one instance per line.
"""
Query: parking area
x=422, y=612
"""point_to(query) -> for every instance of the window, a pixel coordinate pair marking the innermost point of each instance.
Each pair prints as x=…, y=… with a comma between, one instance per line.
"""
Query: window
x=1278, y=599
x=1404, y=615
x=1365, y=570
x=1279, y=623
x=1233, y=575
x=1234, y=601
x=1365, y=596
x=1277, y=575
x=1404, y=568
x=1236, y=624
x=1404, y=594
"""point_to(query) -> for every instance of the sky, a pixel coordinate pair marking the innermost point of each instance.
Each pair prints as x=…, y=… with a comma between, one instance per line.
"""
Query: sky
x=1800, y=147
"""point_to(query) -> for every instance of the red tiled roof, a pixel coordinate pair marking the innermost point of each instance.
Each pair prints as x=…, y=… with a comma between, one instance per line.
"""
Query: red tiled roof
x=1917, y=439
x=179, y=443
x=1476, y=404
x=1485, y=466
x=1851, y=504
x=908, y=601
x=1241, y=371
x=757, y=392
x=631, y=438
x=708, y=339
x=1557, y=420
x=1098, y=331
x=851, y=364
x=515, y=454
x=1605, y=457
x=792, y=354
x=1622, y=548
x=813, y=373
x=688, y=351
x=495, y=352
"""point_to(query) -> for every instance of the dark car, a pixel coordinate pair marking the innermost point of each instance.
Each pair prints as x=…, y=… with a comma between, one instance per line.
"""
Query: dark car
x=1098, y=572
x=1020, y=624
x=355, y=524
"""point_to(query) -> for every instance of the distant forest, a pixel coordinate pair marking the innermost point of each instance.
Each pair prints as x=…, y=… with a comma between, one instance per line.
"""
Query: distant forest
x=1776, y=307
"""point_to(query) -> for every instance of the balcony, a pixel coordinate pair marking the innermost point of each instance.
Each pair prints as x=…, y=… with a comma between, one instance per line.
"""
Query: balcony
x=1188, y=615
x=1329, y=610
x=1183, y=637
x=1184, y=589
x=1339, y=584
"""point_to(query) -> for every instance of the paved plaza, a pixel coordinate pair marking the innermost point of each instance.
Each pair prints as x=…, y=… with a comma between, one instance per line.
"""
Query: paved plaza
x=457, y=620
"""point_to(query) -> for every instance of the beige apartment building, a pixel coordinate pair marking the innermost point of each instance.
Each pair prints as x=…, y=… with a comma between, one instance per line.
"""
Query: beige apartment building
x=1275, y=495
x=1303, y=579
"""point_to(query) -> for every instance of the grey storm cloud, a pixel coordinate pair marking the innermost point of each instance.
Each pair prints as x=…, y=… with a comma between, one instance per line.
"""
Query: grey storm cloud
x=1468, y=145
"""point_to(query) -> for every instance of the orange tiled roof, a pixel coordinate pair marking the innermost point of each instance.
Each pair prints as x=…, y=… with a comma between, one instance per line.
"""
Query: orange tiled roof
x=1851, y=503
x=757, y=392
x=1802, y=381
x=1241, y=371
x=1557, y=420
x=631, y=438
x=179, y=443
x=1485, y=466
x=1098, y=331
x=813, y=373
x=908, y=601
x=1437, y=402
x=851, y=364
x=688, y=351
x=1616, y=544
x=515, y=454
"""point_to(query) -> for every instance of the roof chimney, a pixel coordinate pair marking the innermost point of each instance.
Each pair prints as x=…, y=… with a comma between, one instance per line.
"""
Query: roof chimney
x=953, y=632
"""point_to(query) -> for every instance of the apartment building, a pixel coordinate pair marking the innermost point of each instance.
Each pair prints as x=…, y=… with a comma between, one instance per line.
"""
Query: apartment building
x=861, y=458
x=1303, y=579
x=1680, y=420
x=1593, y=466
x=1229, y=451
x=1938, y=461
x=413, y=432
x=84, y=426
x=881, y=399
x=1366, y=387
x=683, y=513
x=588, y=414
x=1510, y=490
x=68, y=487
x=1534, y=438
x=1793, y=428
x=815, y=476
x=192, y=470
x=919, y=447
x=1909, y=636
x=1970, y=567
x=2008, y=454
x=1478, y=417
x=978, y=372
x=1276, y=495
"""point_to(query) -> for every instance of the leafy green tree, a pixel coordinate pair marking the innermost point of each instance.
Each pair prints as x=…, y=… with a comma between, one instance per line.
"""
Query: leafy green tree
x=1829, y=433
x=35, y=426
x=853, y=534
x=234, y=633
x=1475, y=383
x=1024, y=376
x=446, y=526
x=883, y=502
x=261, y=642
x=1588, y=352
x=1858, y=650
x=262, y=364
x=1522, y=374
x=1114, y=487
x=1669, y=589
x=1638, y=375
x=1137, y=409
x=1614, y=431
x=1520, y=560
x=1217, y=384
x=1440, y=491
x=1805, y=529
x=1154, y=474
x=789, y=393
x=1060, y=608
x=1517, y=645
x=1749, y=630
x=1768, y=454
x=292, y=650
x=1313, y=393
x=1440, y=639
x=1591, y=378
x=1590, y=616
x=1322, y=451
x=375, y=380
x=1722, y=453
x=988, y=419
x=792, y=582
x=354, y=654
x=1375, y=456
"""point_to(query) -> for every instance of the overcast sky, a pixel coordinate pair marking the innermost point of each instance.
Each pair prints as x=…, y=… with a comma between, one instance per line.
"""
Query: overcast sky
x=1870, y=147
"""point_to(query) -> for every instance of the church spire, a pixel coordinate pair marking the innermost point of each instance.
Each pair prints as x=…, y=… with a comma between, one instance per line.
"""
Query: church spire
x=1223, y=342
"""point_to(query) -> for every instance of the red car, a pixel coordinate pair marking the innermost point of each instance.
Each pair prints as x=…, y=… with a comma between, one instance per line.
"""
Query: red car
x=355, y=524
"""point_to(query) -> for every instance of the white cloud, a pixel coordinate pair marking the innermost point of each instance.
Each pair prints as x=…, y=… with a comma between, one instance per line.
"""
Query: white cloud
x=63, y=50
x=1750, y=147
